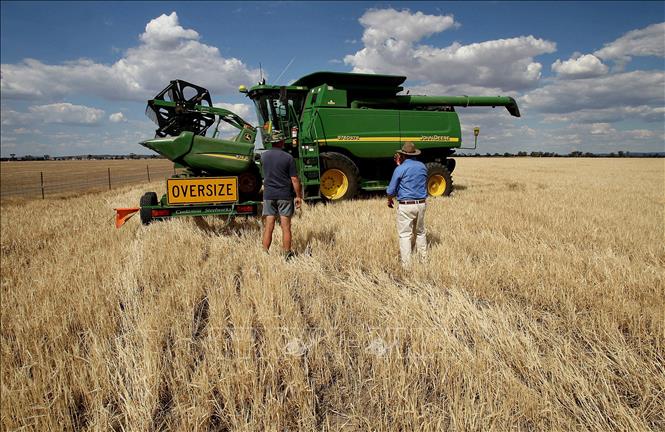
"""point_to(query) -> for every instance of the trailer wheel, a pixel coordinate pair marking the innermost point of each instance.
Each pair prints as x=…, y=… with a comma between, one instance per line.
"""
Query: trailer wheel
x=249, y=184
x=340, y=177
x=439, y=180
x=148, y=199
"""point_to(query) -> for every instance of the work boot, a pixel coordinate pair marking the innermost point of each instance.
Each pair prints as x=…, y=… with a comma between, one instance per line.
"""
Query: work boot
x=289, y=256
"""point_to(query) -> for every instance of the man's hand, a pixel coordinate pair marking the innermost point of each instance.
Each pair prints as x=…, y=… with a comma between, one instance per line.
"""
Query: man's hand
x=298, y=202
x=390, y=202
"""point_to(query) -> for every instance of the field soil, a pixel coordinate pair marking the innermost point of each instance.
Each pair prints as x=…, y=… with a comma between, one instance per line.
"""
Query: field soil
x=539, y=307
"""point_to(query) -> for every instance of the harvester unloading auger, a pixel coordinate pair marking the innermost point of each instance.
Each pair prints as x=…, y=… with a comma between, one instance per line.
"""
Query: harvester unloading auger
x=343, y=131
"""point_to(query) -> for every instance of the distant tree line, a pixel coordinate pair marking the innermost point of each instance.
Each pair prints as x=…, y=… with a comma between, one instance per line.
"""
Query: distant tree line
x=576, y=153
x=13, y=157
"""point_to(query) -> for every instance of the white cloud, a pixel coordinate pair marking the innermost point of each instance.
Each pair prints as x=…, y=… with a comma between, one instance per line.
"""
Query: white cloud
x=585, y=66
x=165, y=32
x=611, y=114
x=117, y=117
x=66, y=113
x=11, y=117
x=167, y=51
x=390, y=38
x=601, y=129
x=382, y=25
x=635, y=88
x=242, y=109
x=649, y=41
x=641, y=133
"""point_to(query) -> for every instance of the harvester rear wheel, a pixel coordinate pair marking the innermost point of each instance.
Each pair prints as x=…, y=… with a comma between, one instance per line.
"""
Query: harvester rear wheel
x=340, y=177
x=439, y=180
x=148, y=199
x=450, y=164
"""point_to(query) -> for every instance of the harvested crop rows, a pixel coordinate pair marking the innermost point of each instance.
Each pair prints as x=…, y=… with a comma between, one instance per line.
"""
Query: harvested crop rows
x=539, y=308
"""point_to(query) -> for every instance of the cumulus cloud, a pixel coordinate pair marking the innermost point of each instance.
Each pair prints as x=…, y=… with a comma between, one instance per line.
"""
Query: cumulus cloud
x=382, y=25
x=242, y=109
x=166, y=51
x=62, y=113
x=635, y=88
x=66, y=113
x=585, y=66
x=391, y=46
x=641, y=42
x=245, y=111
x=117, y=118
x=613, y=114
x=602, y=129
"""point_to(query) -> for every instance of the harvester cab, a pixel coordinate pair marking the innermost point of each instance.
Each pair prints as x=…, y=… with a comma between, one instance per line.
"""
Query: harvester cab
x=278, y=109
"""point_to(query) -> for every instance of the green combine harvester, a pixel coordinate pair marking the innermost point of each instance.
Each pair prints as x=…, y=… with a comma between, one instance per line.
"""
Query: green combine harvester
x=343, y=130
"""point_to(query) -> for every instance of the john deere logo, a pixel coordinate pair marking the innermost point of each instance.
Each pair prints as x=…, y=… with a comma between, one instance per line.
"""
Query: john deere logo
x=435, y=138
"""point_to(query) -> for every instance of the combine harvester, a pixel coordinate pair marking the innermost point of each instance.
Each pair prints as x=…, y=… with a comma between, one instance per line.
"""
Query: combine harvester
x=343, y=130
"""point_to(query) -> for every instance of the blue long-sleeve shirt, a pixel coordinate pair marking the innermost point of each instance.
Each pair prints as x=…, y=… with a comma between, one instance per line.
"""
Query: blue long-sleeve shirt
x=409, y=181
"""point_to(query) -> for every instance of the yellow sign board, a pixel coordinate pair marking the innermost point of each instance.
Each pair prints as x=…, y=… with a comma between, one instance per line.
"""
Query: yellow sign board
x=207, y=190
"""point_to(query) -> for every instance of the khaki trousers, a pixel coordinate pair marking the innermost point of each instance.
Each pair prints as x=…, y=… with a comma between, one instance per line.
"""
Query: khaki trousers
x=410, y=223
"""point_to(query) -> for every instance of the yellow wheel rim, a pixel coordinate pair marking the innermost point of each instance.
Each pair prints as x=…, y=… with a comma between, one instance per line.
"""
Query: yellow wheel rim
x=436, y=185
x=334, y=184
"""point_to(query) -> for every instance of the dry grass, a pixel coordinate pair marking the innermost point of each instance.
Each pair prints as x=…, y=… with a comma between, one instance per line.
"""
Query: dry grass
x=540, y=308
x=21, y=181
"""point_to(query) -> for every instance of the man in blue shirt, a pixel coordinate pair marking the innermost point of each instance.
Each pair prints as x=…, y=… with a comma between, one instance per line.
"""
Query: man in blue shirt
x=409, y=185
x=280, y=186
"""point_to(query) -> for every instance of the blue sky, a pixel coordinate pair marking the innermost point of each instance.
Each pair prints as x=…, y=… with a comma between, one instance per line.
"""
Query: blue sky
x=588, y=76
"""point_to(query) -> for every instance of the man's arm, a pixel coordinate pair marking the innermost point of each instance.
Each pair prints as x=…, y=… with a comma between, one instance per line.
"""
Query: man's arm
x=295, y=181
x=391, y=191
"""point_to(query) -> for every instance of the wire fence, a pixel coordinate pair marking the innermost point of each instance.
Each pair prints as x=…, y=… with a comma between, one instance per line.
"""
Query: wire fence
x=49, y=183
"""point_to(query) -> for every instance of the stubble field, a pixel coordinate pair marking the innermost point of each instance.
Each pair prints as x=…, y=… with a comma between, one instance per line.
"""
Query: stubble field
x=540, y=307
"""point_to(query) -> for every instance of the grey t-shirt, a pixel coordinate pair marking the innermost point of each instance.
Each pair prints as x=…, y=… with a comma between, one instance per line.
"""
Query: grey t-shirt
x=278, y=168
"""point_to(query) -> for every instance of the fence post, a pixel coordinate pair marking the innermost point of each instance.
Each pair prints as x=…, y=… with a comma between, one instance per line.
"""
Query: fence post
x=109, y=178
x=147, y=167
x=41, y=180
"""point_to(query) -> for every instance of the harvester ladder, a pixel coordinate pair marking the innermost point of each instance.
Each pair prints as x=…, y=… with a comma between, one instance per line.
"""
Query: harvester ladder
x=310, y=170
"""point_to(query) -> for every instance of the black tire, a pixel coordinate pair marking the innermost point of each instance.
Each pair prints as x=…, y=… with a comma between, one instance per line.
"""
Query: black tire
x=436, y=174
x=148, y=199
x=249, y=184
x=340, y=163
x=450, y=164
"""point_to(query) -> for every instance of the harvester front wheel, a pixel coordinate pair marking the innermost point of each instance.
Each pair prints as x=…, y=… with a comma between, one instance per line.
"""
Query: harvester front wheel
x=340, y=177
x=148, y=199
x=439, y=180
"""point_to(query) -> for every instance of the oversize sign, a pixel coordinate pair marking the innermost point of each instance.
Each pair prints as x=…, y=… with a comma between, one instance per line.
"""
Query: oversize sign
x=202, y=190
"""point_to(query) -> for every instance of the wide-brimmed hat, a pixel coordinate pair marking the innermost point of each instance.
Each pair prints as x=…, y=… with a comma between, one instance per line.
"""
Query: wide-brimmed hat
x=276, y=136
x=409, y=149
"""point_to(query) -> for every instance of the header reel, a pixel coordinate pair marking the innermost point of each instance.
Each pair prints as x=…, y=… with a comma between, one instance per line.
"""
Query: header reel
x=174, y=109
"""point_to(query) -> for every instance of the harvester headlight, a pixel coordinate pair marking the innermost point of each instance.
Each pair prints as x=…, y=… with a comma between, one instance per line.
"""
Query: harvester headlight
x=242, y=89
x=476, y=131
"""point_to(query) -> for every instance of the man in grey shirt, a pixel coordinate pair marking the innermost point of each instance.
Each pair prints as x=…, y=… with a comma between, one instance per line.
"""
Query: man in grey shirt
x=280, y=186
